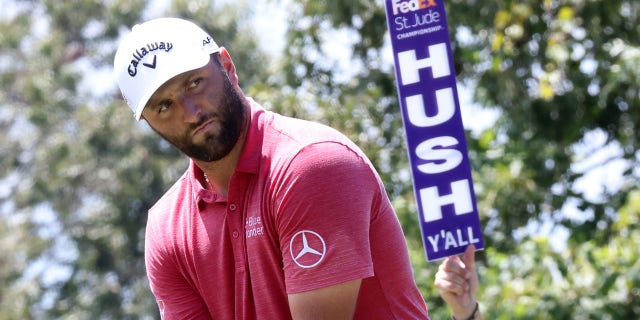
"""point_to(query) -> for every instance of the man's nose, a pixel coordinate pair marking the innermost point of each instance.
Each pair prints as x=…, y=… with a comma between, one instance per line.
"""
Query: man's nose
x=192, y=109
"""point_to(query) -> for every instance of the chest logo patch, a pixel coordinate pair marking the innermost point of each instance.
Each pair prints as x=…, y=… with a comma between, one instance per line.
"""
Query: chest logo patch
x=307, y=249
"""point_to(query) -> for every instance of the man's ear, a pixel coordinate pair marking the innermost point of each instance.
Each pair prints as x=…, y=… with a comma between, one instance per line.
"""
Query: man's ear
x=227, y=64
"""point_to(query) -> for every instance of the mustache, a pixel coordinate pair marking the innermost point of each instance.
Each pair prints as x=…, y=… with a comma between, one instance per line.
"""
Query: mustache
x=203, y=118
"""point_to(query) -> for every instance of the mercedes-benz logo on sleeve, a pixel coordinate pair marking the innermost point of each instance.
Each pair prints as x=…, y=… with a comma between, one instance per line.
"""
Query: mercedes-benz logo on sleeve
x=307, y=249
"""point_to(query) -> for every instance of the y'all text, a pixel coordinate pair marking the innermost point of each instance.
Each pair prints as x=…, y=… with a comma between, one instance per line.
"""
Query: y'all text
x=452, y=239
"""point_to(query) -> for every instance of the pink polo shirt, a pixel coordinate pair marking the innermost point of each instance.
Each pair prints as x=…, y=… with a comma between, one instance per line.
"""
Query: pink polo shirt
x=305, y=210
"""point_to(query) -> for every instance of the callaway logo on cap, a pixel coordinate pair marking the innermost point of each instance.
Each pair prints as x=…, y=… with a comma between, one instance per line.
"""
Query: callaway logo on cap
x=156, y=51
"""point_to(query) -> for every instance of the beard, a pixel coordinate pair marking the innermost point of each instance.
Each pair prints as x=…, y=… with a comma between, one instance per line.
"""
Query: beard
x=218, y=144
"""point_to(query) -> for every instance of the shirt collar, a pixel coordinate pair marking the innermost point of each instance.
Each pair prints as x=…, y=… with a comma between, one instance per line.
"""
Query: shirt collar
x=251, y=155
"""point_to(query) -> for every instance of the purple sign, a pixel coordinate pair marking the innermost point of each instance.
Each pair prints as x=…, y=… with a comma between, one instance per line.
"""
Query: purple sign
x=440, y=167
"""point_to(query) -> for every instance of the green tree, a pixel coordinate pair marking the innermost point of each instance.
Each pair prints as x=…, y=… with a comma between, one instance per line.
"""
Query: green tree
x=77, y=174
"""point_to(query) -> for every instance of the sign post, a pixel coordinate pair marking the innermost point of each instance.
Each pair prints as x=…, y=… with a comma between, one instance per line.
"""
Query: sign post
x=425, y=76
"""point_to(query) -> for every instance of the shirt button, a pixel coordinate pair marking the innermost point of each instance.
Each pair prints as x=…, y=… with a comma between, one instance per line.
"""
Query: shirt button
x=233, y=207
x=236, y=234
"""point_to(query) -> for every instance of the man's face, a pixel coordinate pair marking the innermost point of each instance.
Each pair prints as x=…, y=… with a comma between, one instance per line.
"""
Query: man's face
x=199, y=112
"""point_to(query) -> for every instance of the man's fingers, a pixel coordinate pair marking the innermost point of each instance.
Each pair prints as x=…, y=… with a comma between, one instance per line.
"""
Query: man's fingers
x=470, y=259
x=452, y=285
x=455, y=274
x=457, y=281
x=472, y=276
x=452, y=276
x=454, y=265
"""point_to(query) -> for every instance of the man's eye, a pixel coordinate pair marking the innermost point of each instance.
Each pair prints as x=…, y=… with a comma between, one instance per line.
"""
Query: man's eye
x=195, y=83
x=163, y=106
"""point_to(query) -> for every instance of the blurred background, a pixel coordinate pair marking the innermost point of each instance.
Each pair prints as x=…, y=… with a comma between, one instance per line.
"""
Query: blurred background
x=550, y=93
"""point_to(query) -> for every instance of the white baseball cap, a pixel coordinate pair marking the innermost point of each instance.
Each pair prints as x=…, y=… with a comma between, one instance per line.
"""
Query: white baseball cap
x=156, y=51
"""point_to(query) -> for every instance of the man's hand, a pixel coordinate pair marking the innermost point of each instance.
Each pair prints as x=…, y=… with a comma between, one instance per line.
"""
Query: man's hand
x=457, y=282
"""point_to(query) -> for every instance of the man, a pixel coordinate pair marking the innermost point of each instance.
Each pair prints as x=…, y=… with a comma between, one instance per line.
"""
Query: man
x=275, y=218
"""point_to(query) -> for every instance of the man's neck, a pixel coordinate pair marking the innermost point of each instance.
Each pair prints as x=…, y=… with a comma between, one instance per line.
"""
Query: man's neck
x=218, y=173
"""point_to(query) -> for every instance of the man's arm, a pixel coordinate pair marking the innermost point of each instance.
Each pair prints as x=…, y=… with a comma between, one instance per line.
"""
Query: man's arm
x=334, y=302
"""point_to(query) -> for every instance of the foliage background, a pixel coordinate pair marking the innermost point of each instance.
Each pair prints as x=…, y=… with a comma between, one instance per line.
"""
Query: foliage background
x=556, y=175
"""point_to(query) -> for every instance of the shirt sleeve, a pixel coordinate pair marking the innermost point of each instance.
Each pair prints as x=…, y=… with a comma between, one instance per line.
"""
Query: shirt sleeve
x=325, y=201
x=175, y=296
